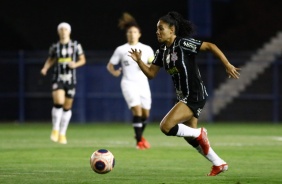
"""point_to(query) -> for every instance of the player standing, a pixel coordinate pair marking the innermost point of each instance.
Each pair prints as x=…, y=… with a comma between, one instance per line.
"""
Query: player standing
x=177, y=55
x=134, y=84
x=66, y=55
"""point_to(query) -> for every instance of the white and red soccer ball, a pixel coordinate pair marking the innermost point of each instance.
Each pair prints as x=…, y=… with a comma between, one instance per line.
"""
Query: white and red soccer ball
x=102, y=161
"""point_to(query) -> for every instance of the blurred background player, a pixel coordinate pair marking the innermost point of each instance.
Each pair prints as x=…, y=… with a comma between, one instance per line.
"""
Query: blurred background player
x=177, y=55
x=66, y=55
x=134, y=84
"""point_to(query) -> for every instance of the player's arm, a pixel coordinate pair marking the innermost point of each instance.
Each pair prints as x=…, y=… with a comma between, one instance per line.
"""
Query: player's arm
x=151, y=71
x=80, y=62
x=230, y=69
x=111, y=69
x=48, y=64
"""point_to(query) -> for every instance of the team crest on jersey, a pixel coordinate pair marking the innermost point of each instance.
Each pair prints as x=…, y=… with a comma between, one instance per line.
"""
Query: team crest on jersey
x=174, y=56
x=64, y=51
x=167, y=59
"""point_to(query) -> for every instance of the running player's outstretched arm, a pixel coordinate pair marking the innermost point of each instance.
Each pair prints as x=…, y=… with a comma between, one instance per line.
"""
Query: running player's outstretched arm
x=49, y=62
x=230, y=69
x=149, y=71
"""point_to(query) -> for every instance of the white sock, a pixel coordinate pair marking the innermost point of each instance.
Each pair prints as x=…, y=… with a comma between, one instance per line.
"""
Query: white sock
x=56, y=117
x=214, y=158
x=186, y=131
x=211, y=156
x=65, y=122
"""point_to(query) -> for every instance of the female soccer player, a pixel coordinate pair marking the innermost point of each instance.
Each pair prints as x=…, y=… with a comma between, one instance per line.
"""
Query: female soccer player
x=66, y=55
x=177, y=55
x=134, y=84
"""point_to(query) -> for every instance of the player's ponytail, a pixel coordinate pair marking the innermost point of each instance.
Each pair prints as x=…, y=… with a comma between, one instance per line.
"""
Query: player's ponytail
x=183, y=28
x=127, y=21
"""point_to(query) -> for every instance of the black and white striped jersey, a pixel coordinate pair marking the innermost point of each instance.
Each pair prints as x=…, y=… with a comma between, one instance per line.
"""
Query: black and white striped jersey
x=179, y=61
x=63, y=54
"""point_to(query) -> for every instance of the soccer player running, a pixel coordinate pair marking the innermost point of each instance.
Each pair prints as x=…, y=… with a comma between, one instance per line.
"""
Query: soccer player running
x=134, y=84
x=177, y=55
x=66, y=55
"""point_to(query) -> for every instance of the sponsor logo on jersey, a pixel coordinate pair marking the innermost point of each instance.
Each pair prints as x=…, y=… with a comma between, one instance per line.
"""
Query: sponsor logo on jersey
x=65, y=77
x=62, y=60
x=172, y=71
x=191, y=46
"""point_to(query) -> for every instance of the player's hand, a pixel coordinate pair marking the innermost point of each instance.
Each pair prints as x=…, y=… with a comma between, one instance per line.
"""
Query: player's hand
x=117, y=72
x=43, y=72
x=72, y=65
x=135, y=55
x=232, y=71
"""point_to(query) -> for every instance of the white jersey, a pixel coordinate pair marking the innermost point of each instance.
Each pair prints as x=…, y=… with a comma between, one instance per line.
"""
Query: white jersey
x=130, y=69
x=134, y=84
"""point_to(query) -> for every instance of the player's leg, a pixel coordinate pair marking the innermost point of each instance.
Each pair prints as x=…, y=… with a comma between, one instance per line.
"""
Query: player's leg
x=67, y=113
x=145, y=116
x=137, y=125
x=171, y=124
x=66, y=116
x=131, y=95
x=218, y=163
x=146, y=101
x=57, y=111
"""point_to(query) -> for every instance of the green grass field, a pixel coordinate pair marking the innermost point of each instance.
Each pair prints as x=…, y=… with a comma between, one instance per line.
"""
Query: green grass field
x=253, y=152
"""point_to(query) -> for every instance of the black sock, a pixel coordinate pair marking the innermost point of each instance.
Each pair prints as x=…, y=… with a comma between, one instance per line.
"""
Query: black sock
x=192, y=141
x=143, y=124
x=137, y=125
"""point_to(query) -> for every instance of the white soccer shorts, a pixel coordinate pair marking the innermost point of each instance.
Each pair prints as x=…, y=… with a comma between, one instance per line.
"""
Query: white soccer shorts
x=136, y=93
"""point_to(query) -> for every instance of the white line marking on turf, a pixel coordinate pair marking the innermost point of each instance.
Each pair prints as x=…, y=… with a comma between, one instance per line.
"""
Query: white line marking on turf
x=277, y=138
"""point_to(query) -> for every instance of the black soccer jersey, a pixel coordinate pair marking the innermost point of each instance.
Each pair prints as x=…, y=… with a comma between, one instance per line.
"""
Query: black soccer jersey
x=65, y=53
x=179, y=61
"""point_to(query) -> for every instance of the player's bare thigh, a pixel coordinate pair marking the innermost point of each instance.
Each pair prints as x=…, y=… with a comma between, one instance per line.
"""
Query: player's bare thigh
x=58, y=96
x=193, y=122
x=178, y=114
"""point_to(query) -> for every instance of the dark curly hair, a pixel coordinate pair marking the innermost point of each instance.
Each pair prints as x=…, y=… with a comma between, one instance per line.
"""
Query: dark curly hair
x=127, y=21
x=183, y=27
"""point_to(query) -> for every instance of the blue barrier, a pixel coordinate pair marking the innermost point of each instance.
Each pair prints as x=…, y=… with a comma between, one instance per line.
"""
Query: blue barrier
x=26, y=96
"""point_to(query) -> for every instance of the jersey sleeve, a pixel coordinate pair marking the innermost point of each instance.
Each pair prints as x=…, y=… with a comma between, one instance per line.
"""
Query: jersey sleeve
x=190, y=44
x=158, y=59
x=115, y=59
x=79, y=50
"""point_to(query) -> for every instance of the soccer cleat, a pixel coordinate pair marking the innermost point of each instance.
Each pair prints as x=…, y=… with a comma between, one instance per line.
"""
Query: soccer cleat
x=62, y=139
x=54, y=135
x=218, y=169
x=140, y=146
x=204, y=141
x=146, y=144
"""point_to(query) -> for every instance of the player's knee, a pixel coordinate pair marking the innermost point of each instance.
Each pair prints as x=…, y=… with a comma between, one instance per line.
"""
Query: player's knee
x=169, y=131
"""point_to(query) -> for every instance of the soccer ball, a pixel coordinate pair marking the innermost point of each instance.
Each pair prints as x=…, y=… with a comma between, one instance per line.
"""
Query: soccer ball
x=102, y=161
